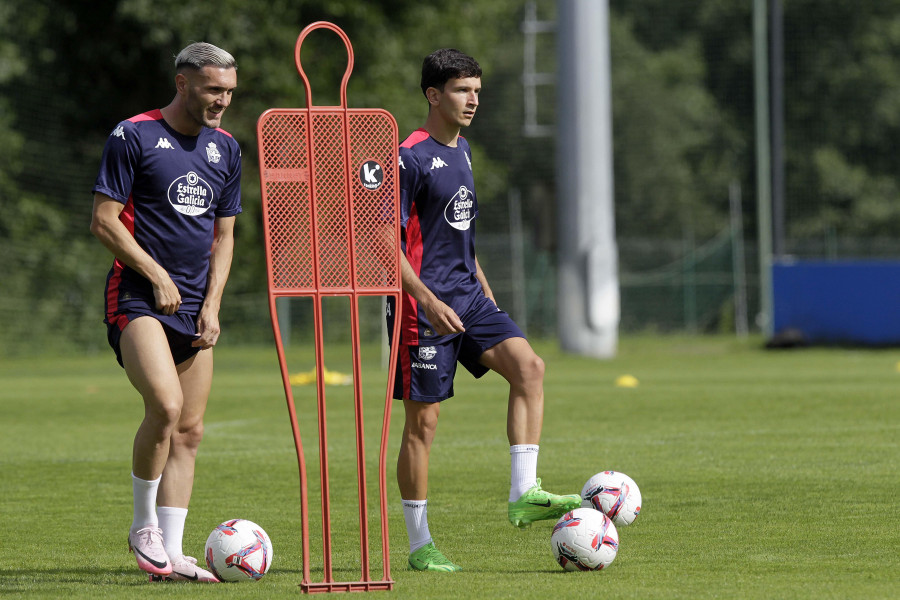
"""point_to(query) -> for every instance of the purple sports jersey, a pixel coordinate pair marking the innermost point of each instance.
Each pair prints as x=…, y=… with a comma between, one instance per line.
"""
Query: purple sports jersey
x=173, y=187
x=437, y=213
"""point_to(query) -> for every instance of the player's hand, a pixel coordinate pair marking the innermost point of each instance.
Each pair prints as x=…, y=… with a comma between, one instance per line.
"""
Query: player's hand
x=208, y=329
x=443, y=319
x=166, y=295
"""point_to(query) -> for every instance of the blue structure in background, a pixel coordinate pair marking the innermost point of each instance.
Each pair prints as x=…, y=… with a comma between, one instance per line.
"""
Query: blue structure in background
x=838, y=302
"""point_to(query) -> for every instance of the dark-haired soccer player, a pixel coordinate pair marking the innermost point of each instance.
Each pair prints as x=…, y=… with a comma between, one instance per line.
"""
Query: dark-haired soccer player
x=165, y=203
x=449, y=314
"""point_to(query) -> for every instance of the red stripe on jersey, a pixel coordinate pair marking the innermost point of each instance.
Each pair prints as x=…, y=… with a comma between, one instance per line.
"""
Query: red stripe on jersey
x=419, y=135
x=406, y=371
x=127, y=215
x=150, y=115
x=112, y=289
x=410, y=323
x=156, y=115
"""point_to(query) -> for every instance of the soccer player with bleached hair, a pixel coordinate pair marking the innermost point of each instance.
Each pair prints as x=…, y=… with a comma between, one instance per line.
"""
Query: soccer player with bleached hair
x=449, y=314
x=165, y=202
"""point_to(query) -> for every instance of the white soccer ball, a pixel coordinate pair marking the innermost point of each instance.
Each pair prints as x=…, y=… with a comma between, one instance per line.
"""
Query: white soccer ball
x=614, y=494
x=584, y=539
x=238, y=550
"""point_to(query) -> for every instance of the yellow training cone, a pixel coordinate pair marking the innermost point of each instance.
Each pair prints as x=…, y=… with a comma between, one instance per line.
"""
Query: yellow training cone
x=330, y=378
x=626, y=381
x=335, y=378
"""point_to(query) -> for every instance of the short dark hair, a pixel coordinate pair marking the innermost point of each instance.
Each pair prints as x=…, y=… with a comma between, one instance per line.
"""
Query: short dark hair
x=445, y=64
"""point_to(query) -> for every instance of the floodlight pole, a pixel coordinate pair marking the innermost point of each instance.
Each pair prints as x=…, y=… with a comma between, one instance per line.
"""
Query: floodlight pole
x=588, y=285
x=776, y=117
x=767, y=106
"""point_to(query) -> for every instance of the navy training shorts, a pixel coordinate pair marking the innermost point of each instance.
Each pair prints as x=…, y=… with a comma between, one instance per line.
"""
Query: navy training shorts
x=180, y=328
x=425, y=373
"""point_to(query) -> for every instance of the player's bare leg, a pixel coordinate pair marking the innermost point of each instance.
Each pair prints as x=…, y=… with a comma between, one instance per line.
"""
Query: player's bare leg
x=195, y=377
x=415, y=448
x=151, y=370
x=412, y=478
x=516, y=361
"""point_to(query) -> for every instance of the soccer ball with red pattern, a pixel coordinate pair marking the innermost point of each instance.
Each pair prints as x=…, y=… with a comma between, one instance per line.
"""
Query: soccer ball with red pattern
x=238, y=550
x=584, y=539
x=614, y=494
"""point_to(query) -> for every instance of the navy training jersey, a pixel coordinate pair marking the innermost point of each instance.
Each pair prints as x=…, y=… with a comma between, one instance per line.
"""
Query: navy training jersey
x=173, y=187
x=437, y=215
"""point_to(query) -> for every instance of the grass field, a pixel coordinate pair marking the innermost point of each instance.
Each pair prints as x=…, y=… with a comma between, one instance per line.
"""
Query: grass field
x=764, y=474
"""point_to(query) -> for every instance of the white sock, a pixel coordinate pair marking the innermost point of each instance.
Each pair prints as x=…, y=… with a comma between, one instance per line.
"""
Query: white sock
x=523, y=469
x=144, y=502
x=415, y=513
x=171, y=521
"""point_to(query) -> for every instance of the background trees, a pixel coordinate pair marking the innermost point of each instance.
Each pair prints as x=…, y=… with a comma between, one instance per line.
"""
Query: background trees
x=683, y=124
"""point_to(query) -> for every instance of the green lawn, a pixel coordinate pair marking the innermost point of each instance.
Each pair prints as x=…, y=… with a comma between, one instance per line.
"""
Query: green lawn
x=764, y=474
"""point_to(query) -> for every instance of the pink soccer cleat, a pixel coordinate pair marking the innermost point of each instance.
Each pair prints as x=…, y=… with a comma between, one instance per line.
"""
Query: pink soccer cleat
x=184, y=568
x=147, y=546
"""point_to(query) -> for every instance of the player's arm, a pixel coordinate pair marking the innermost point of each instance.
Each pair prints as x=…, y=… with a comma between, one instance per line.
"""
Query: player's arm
x=443, y=318
x=479, y=275
x=219, y=268
x=106, y=226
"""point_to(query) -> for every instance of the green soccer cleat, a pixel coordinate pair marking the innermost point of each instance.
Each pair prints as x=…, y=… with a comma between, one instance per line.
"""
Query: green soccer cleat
x=537, y=505
x=429, y=558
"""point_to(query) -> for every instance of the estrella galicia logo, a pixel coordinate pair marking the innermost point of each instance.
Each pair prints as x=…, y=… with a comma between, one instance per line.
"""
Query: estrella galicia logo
x=190, y=195
x=371, y=175
x=427, y=352
x=460, y=211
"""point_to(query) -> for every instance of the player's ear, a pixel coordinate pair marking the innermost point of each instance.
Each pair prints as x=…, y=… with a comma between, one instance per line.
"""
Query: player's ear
x=434, y=96
x=181, y=82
